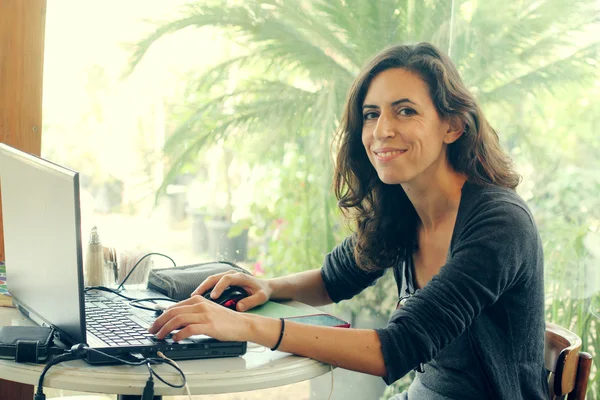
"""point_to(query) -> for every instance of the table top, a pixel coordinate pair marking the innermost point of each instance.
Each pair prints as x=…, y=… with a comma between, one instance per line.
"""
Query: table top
x=259, y=368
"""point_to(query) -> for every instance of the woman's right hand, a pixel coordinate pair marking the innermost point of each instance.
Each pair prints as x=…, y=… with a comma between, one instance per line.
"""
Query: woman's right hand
x=259, y=290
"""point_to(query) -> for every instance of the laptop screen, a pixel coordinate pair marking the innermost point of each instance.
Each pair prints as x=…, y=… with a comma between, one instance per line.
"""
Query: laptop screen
x=42, y=240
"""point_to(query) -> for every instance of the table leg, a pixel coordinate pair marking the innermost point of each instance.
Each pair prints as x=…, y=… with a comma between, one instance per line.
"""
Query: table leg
x=15, y=391
x=133, y=397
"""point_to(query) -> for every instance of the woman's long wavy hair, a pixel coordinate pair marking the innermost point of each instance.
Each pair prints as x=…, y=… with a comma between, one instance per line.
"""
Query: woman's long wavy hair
x=386, y=221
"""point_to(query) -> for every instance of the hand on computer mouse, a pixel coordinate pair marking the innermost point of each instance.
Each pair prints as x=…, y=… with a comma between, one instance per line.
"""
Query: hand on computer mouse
x=229, y=297
x=199, y=316
x=258, y=291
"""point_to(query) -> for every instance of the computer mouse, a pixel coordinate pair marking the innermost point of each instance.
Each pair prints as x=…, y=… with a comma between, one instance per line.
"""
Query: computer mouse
x=229, y=298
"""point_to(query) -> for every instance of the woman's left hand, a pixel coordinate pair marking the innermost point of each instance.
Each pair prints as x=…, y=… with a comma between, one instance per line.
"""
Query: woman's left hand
x=198, y=315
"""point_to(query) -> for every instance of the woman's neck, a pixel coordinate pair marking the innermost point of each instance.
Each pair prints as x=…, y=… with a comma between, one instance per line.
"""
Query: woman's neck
x=436, y=199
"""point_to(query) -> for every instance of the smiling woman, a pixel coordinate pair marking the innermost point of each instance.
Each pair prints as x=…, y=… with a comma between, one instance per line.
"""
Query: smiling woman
x=423, y=178
x=405, y=137
x=421, y=173
x=413, y=101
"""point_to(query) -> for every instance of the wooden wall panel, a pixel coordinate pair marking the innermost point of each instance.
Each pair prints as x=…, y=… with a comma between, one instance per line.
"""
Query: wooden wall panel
x=22, y=25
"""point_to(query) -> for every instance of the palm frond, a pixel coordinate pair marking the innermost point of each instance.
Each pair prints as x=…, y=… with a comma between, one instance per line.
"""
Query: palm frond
x=431, y=22
x=265, y=27
x=503, y=42
x=575, y=69
x=323, y=29
x=284, y=41
x=270, y=100
x=251, y=118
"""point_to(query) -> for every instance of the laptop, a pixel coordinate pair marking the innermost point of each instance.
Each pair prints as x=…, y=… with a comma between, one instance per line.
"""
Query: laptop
x=43, y=246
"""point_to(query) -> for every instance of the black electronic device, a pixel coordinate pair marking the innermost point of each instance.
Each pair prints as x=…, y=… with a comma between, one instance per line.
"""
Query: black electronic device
x=229, y=298
x=26, y=343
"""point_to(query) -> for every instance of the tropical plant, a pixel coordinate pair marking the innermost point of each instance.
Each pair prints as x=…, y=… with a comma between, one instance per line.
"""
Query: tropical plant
x=280, y=97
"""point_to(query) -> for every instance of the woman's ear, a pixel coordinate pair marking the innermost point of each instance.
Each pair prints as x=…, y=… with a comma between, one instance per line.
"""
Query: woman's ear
x=456, y=127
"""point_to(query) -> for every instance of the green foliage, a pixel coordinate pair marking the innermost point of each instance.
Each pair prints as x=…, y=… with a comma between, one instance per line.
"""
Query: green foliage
x=279, y=101
x=300, y=219
x=399, y=386
x=563, y=190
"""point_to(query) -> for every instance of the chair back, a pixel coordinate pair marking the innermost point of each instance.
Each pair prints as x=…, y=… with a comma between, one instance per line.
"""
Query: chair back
x=569, y=367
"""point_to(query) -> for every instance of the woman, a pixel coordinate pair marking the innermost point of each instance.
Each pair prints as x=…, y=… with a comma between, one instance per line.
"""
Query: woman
x=421, y=174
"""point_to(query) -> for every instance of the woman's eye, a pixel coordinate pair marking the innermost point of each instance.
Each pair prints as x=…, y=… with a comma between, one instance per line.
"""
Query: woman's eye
x=369, y=115
x=407, y=111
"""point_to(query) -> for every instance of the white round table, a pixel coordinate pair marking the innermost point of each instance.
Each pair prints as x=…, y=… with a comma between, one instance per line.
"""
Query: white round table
x=259, y=368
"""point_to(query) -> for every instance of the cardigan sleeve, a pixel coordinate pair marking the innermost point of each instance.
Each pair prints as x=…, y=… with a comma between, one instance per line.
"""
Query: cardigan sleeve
x=490, y=254
x=342, y=276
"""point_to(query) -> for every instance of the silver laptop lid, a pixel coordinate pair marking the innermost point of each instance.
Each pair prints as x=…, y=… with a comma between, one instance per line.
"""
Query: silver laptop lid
x=42, y=240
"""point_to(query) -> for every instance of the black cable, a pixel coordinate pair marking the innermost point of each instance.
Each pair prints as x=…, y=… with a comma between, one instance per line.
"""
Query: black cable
x=39, y=394
x=134, y=303
x=79, y=351
x=148, y=393
x=138, y=262
x=148, y=361
x=171, y=384
x=110, y=290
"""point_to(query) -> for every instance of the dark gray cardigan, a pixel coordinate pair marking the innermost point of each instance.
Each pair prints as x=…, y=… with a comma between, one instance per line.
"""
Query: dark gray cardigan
x=491, y=284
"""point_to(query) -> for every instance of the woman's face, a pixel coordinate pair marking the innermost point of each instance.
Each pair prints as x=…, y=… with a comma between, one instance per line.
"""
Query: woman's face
x=402, y=132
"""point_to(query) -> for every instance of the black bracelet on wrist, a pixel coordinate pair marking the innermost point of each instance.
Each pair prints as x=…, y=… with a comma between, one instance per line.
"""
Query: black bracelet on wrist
x=280, y=335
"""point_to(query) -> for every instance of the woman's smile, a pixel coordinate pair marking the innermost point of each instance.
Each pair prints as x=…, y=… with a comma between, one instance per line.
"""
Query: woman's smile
x=388, y=154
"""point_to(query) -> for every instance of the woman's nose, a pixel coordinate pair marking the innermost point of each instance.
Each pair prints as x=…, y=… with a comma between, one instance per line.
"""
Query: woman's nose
x=385, y=127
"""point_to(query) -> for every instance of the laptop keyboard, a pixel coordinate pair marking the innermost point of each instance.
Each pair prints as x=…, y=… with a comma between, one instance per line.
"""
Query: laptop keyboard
x=114, y=324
